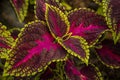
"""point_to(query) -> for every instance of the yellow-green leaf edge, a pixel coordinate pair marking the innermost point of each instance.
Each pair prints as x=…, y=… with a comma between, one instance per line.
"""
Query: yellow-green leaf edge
x=88, y=9
x=97, y=2
x=23, y=11
x=112, y=67
x=108, y=19
x=9, y=40
x=98, y=72
x=7, y=66
x=62, y=15
x=84, y=46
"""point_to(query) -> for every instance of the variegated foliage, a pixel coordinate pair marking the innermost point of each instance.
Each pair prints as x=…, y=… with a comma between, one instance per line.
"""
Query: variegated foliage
x=58, y=34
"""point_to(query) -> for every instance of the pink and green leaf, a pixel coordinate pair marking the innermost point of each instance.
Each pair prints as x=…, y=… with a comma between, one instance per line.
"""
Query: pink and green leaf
x=76, y=46
x=20, y=7
x=6, y=41
x=34, y=50
x=83, y=72
x=41, y=7
x=109, y=54
x=87, y=24
x=57, y=21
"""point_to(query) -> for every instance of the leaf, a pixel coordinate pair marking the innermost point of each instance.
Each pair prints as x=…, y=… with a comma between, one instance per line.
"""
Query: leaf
x=57, y=21
x=109, y=54
x=6, y=41
x=20, y=7
x=35, y=49
x=41, y=7
x=111, y=11
x=49, y=72
x=76, y=46
x=83, y=72
x=30, y=15
x=87, y=24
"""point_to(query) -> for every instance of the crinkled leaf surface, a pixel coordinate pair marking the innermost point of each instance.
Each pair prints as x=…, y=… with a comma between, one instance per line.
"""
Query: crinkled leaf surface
x=41, y=7
x=111, y=10
x=34, y=50
x=20, y=7
x=89, y=72
x=5, y=41
x=87, y=24
x=109, y=54
x=57, y=21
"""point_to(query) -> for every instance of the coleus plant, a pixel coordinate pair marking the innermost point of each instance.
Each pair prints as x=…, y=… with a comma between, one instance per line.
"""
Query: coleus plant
x=111, y=14
x=56, y=35
x=6, y=41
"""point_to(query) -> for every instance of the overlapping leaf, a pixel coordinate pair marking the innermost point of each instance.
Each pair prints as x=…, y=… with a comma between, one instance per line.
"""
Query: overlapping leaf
x=112, y=13
x=109, y=54
x=30, y=15
x=87, y=24
x=78, y=47
x=41, y=7
x=20, y=7
x=6, y=41
x=89, y=72
x=57, y=21
x=59, y=26
x=34, y=50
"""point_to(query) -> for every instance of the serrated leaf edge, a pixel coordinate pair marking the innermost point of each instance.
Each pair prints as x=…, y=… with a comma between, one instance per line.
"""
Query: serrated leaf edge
x=84, y=45
x=21, y=16
x=39, y=70
x=112, y=67
x=62, y=15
